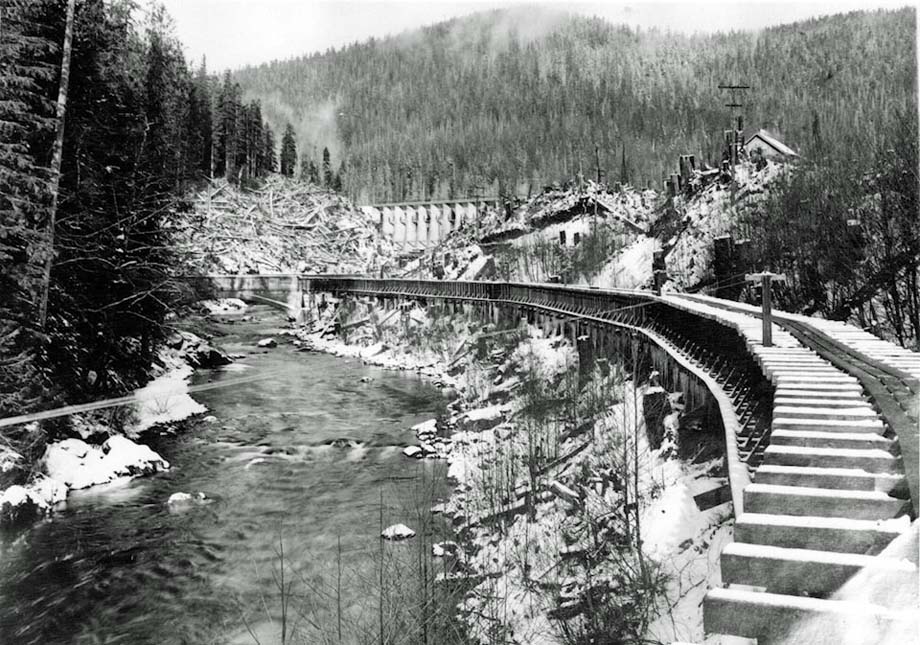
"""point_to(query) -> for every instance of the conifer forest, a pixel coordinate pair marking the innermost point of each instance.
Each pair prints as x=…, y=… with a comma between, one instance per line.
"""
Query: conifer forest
x=400, y=323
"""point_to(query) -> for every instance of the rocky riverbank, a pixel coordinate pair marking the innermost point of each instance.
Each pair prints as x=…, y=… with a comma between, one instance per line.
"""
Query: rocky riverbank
x=572, y=498
x=101, y=447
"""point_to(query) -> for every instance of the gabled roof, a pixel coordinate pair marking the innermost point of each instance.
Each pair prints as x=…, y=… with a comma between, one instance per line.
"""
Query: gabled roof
x=774, y=143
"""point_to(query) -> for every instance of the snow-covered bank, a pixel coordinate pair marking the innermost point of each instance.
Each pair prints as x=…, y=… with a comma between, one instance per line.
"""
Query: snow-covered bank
x=165, y=400
x=560, y=499
x=77, y=464
x=99, y=453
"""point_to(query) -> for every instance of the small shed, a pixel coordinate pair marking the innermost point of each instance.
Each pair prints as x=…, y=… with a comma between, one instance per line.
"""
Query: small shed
x=769, y=146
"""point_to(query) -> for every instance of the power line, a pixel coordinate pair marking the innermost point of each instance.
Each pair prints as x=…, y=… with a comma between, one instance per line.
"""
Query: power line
x=129, y=399
x=735, y=91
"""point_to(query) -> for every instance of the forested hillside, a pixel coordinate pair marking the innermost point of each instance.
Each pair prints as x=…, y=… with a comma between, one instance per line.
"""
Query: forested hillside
x=521, y=97
x=103, y=130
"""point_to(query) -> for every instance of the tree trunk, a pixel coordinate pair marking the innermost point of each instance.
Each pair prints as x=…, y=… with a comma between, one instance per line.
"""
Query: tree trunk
x=57, y=155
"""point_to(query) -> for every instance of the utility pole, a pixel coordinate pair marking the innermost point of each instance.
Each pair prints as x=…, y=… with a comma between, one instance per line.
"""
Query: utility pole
x=765, y=279
x=736, y=92
x=734, y=137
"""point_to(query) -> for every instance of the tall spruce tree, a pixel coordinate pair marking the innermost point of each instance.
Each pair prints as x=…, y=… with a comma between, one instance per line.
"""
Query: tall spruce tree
x=200, y=120
x=26, y=110
x=288, y=152
x=327, y=168
x=228, y=128
x=269, y=156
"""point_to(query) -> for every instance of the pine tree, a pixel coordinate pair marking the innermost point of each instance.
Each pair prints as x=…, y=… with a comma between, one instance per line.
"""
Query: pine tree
x=288, y=152
x=269, y=156
x=305, y=167
x=228, y=128
x=111, y=282
x=327, y=168
x=338, y=180
x=24, y=195
x=200, y=119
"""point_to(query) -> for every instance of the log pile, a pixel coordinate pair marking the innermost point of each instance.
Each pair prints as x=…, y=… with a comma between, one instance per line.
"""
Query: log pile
x=283, y=226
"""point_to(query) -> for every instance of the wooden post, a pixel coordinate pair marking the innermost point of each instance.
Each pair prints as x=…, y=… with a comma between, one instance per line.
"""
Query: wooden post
x=684, y=165
x=767, y=318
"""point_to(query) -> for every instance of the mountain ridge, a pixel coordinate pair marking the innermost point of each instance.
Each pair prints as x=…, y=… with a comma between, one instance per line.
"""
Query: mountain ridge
x=483, y=103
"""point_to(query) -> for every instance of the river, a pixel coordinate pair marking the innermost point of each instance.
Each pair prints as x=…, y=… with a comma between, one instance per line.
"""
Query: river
x=296, y=462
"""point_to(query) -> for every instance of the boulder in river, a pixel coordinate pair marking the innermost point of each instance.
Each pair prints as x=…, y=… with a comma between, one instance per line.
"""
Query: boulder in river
x=412, y=451
x=196, y=351
x=397, y=532
x=267, y=342
x=179, y=498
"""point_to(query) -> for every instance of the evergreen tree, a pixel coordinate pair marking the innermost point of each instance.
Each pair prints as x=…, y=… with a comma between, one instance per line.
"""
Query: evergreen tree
x=339, y=179
x=25, y=110
x=200, y=120
x=288, y=152
x=305, y=167
x=269, y=156
x=228, y=130
x=137, y=126
x=533, y=109
x=252, y=140
x=327, y=168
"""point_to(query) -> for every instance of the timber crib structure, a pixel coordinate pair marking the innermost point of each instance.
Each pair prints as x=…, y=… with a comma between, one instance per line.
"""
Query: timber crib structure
x=821, y=434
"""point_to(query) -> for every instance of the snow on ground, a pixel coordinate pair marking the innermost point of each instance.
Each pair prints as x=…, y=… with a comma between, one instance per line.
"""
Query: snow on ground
x=77, y=464
x=73, y=463
x=33, y=499
x=709, y=214
x=670, y=520
x=574, y=210
x=548, y=357
x=631, y=268
x=485, y=449
x=165, y=400
x=475, y=268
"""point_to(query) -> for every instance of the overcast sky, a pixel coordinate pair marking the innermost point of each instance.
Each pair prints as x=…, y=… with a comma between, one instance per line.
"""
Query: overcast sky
x=234, y=33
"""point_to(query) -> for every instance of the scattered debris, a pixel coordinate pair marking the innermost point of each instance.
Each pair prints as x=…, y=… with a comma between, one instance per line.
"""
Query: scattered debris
x=285, y=225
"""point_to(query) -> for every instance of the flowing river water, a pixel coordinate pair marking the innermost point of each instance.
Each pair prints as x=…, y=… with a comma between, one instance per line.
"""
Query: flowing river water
x=296, y=462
